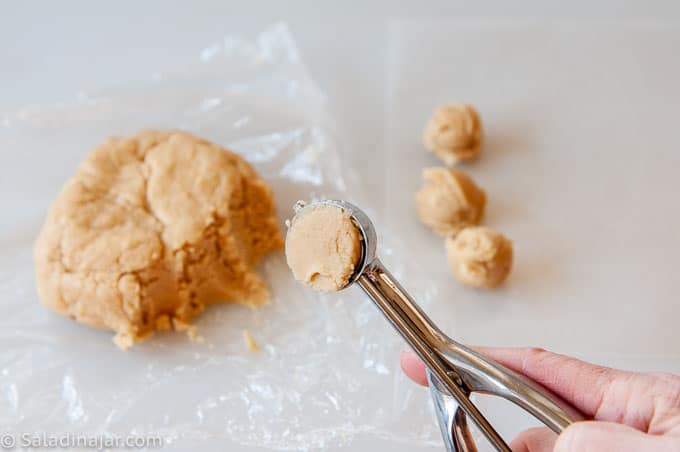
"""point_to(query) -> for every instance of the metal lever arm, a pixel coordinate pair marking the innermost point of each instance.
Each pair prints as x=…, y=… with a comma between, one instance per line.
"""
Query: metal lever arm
x=452, y=420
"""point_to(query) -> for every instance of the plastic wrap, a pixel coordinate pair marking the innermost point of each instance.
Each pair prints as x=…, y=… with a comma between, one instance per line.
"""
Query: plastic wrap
x=327, y=371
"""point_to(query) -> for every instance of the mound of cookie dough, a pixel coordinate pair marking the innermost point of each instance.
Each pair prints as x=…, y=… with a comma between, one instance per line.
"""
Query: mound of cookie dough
x=449, y=200
x=150, y=230
x=454, y=133
x=479, y=257
x=323, y=247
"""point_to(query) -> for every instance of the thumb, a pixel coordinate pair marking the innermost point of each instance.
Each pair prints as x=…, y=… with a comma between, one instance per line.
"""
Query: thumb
x=595, y=436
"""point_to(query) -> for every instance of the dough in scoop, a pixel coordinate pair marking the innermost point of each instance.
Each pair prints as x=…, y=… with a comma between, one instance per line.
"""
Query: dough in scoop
x=151, y=229
x=323, y=247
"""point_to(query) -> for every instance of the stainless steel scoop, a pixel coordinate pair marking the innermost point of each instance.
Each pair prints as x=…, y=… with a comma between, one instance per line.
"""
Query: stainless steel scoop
x=454, y=371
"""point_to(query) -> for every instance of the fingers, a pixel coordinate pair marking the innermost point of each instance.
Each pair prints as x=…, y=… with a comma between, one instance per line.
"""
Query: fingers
x=413, y=367
x=630, y=402
x=598, y=436
x=576, y=381
x=594, y=390
x=598, y=392
x=539, y=439
x=584, y=385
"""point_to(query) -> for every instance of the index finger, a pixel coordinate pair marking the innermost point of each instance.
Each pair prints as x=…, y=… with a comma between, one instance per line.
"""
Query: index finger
x=580, y=383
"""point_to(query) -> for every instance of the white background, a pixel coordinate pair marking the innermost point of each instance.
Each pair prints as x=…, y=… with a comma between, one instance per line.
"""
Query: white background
x=383, y=65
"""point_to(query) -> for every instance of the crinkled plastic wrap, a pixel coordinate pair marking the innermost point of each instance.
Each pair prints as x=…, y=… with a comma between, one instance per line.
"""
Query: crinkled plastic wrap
x=327, y=370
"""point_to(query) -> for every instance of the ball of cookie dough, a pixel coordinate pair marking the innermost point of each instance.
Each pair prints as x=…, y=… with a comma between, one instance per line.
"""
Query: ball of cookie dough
x=323, y=247
x=449, y=200
x=479, y=257
x=454, y=133
x=151, y=229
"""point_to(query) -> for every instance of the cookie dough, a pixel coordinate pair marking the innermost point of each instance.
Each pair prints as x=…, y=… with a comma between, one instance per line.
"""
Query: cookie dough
x=454, y=133
x=323, y=247
x=479, y=257
x=449, y=200
x=250, y=342
x=151, y=229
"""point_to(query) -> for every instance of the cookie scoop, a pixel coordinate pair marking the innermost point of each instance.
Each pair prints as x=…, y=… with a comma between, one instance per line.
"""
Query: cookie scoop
x=454, y=371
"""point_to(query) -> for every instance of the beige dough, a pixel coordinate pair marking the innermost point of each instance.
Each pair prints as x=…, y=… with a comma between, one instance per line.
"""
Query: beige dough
x=479, y=257
x=151, y=229
x=449, y=200
x=251, y=343
x=323, y=247
x=454, y=133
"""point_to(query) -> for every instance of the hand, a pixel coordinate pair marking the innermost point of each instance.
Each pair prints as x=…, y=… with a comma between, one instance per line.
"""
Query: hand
x=632, y=412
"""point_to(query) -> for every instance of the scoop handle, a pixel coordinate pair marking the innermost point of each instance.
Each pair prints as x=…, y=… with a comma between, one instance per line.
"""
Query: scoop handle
x=456, y=369
x=424, y=338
